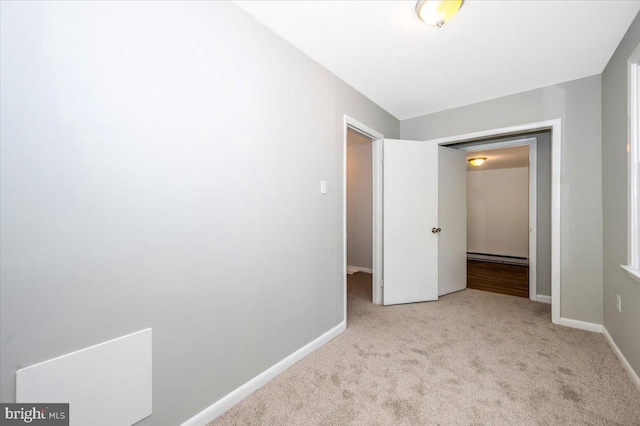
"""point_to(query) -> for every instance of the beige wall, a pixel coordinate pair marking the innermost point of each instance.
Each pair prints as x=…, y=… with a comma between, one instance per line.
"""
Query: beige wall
x=498, y=212
x=359, y=206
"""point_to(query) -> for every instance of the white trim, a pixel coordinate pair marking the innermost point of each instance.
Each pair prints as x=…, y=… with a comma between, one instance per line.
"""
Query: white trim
x=222, y=405
x=633, y=167
x=376, y=171
x=533, y=200
x=497, y=145
x=503, y=131
x=556, y=216
x=634, y=273
x=581, y=325
x=377, y=264
x=556, y=173
x=362, y=128
x=533, y=219
x=632, y=254
x=345, y=127
x=632, y=374
x=354, y=269
x=543, y=299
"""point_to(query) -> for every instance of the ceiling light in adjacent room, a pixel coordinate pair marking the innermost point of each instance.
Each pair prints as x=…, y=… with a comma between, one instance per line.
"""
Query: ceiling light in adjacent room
x=478, y=161
x=437, y=12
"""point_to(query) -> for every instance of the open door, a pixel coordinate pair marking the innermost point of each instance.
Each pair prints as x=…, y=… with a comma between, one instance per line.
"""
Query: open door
x=452, y=220
x=417, y=267
x=410, y=213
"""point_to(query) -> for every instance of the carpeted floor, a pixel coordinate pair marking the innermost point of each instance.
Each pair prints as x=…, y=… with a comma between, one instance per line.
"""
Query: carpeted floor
x=473, y=357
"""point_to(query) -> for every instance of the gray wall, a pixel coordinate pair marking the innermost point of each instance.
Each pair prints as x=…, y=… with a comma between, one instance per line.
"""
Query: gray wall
x=624, y=327
x=160, y=167
x=578, y=104
x=359, y=206
x=543, y=240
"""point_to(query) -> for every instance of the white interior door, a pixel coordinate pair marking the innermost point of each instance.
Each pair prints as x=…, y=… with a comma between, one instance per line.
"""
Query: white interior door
x=452, y=214
x=410, y=211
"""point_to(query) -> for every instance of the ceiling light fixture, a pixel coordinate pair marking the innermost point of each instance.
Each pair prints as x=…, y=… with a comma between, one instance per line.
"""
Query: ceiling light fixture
x=437, y=12
x=478, y=161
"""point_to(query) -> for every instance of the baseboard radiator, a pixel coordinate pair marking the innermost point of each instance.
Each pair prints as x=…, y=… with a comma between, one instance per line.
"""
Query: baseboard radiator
x=498, y=258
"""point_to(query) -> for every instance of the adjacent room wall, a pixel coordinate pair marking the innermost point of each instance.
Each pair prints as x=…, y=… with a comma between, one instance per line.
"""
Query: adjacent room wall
x=543, y=208
x=577, y=103
x=161, y=167
x=359, y=206
x=498, y=212
x=624, y=327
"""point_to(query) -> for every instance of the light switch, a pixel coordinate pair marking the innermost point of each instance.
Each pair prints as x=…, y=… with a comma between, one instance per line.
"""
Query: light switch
x=323, y=187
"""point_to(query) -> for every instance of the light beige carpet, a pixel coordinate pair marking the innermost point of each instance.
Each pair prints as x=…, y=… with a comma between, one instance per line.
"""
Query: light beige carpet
x=472, y=358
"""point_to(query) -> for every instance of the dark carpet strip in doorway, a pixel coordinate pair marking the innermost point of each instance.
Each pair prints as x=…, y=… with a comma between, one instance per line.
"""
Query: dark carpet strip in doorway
x=498, y=278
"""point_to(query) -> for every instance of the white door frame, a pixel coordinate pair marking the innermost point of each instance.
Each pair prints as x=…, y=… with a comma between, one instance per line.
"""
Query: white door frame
x=555, y=126
x=376, y=155
x=533, y=199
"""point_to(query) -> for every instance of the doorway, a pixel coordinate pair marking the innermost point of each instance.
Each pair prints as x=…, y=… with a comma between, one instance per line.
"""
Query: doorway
x=359, y=215
x=509, y=215
x=361, y=134
x=501, y=218
x=552, y=126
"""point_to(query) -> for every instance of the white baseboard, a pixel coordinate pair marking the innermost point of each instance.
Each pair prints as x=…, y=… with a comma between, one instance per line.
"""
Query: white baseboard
x=352, y=269
x=221, y=406
x=581, y=325
x=543, y=299
x=632, y=374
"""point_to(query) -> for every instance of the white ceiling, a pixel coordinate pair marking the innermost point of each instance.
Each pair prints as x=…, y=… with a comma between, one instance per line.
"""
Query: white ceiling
x=490, y=49
x=501, y=158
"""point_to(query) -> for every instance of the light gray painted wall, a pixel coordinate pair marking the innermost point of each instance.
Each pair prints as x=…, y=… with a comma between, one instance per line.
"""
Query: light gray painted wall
x=498, y=212
x=543, y=236
x=160, y=167
x=577, y=103
x=359, y=206
x=623, y=327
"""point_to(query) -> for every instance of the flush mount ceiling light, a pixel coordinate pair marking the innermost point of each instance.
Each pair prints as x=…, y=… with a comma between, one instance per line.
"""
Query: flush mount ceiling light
x=437, y=12
x=478, y=161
